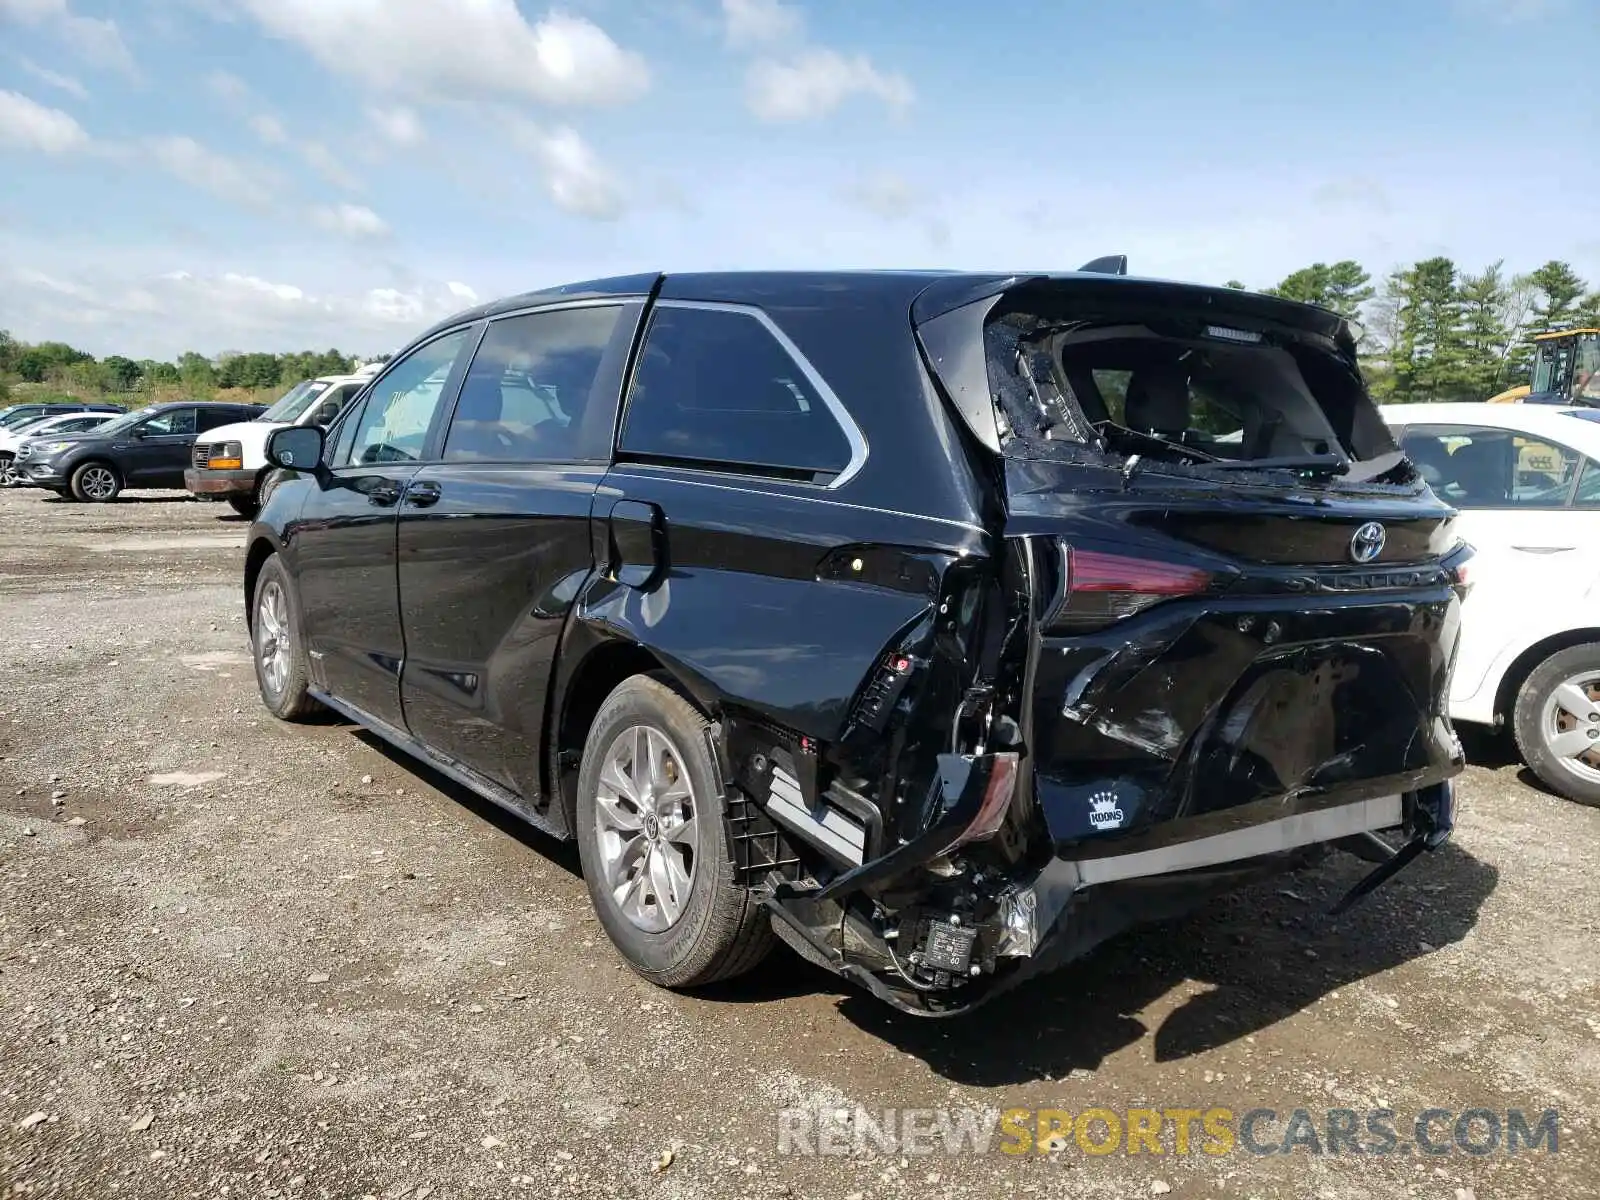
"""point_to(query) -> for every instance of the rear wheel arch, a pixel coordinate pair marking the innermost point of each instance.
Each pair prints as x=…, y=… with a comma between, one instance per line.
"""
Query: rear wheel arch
x=596, y=676
x=1524, y=665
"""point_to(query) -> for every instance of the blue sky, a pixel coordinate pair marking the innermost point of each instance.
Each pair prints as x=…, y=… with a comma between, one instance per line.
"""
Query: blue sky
x=278, y=174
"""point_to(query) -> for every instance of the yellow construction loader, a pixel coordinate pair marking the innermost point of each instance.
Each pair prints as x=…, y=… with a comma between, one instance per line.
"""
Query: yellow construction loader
x=1566, y=370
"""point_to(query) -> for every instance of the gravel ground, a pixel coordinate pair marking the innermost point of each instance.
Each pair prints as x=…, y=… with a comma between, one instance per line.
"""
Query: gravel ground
x=243, y=959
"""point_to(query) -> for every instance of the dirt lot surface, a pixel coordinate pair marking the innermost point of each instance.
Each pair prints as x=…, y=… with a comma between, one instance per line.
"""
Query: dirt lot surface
x=244, y=959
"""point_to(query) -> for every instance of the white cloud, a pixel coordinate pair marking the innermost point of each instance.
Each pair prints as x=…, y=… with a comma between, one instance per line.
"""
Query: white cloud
x=203, y=168
x=462, y=292
x=759, y=22
x=29, y=125
x=286, y=292
x=399, y=126
x=481, y=48
x=815, y=82
x=125, y=310
x=95, y=39
x=55, y=79
x=327, y=164
x=574, y=177
x=269, y=129
x=351, y=220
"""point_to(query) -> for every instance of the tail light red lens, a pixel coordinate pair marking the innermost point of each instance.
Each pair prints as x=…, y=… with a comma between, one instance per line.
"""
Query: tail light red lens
x=1102, y=589
x=1458, y=564
x=997, y=795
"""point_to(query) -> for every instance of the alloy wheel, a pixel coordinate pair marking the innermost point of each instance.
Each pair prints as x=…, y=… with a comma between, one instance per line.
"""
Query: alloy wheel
x=272, y=636
x=645, y=824
x=98, y=483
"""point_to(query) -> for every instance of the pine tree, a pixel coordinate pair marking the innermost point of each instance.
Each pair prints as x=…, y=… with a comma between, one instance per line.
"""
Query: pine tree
x=1486, y=339
x=1441, y=371
x=1560, y=295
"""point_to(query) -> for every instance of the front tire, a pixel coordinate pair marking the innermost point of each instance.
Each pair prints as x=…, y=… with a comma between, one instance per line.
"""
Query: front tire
x=96, y=483
x=1557, y=722
x=654, y=844
x=277, y=647
x=8, y=470
x=245, y=506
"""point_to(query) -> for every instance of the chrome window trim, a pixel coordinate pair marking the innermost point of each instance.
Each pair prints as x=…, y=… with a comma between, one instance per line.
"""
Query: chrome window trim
x=853, y=436
x=560, y=305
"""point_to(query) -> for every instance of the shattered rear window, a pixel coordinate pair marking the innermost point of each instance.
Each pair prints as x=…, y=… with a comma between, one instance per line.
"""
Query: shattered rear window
x=1197, y=392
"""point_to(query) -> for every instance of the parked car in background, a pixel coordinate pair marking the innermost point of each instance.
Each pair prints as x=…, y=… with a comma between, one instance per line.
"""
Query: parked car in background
x=20, y=414
x=149, y=448
x=42, y=427
x=1526, y=481
x=943, y=623
x=230, y=463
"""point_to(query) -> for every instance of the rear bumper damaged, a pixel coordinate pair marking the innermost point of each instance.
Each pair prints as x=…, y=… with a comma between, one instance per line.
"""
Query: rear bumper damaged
x=935, y=949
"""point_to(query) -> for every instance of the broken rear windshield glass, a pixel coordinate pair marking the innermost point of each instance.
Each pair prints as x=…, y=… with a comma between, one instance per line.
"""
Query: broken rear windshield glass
x=1197, y=391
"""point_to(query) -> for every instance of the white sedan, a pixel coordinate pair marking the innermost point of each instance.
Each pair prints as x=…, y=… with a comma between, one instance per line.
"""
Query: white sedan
x=1526, y=481
x=56, y=423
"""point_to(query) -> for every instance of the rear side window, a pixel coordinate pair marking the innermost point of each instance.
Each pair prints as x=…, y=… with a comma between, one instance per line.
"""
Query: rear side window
x=173, y=421
x=527, y=391
x=715, y=387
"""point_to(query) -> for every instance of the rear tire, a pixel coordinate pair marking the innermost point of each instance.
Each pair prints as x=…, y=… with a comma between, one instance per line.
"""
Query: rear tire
x=1557, y=711
x=646, y=776
x=277, y=647
x=96, y=483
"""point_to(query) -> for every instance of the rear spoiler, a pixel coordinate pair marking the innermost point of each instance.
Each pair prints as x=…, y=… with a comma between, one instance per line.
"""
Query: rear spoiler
x=1111, y=264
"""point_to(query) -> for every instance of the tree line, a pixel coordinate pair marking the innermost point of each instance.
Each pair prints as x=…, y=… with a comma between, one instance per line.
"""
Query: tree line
x=1429, y=331
x=68, y=368
x=1432, y=331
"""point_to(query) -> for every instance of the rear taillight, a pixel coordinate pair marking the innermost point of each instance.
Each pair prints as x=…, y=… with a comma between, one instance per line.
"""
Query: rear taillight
x=1102, y=589
x=997, y=793
x=1457, y=565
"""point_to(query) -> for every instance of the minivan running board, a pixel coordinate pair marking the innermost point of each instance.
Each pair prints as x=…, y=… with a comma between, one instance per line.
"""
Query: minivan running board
x=457, y=772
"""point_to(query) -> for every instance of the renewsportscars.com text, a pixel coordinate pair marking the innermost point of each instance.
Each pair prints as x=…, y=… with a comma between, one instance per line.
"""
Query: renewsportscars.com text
x=1166, y=1131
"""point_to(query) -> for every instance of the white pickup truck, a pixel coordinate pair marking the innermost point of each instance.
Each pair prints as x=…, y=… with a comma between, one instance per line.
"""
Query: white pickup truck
x=230, y=461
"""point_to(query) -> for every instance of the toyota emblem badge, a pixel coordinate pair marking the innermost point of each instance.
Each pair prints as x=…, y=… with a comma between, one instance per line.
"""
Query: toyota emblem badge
x=1368, y=542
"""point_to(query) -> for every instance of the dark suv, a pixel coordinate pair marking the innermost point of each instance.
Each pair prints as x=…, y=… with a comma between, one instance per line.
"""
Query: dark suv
x=943, y=624
x=149, y=448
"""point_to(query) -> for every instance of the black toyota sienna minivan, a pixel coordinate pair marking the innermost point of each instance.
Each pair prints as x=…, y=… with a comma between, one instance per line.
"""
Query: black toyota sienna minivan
x=939, y=624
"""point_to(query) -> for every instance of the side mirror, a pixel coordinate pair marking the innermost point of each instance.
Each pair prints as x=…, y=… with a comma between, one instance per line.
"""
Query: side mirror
x=298, y=448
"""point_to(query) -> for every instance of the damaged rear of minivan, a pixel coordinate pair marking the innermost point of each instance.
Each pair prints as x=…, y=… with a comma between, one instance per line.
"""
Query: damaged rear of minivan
x=1217, y=642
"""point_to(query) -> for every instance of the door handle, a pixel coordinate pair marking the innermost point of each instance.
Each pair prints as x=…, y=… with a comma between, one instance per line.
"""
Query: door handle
x=1544, y=549
x=383, y=493
x=424, y=494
